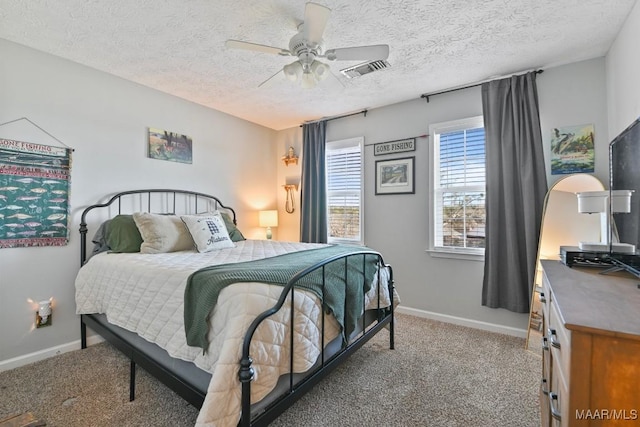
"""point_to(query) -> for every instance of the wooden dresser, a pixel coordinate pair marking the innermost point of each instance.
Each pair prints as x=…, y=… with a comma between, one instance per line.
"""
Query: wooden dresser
x=591, y=347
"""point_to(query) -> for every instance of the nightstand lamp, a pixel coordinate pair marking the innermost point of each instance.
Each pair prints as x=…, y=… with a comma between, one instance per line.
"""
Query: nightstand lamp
x=268, y=219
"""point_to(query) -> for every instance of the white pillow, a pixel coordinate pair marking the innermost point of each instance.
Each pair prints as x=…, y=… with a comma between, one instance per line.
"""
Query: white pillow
x=162, y=233
x=208, y=232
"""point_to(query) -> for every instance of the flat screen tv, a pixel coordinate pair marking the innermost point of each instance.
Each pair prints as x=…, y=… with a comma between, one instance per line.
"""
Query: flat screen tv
x=624, y=174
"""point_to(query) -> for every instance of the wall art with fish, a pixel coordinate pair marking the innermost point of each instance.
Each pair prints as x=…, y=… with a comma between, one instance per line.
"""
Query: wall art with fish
x=34, y=194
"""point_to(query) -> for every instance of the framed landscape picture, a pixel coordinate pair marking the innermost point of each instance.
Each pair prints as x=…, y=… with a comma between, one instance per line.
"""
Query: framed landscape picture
x=395, y=176
x=171, y=146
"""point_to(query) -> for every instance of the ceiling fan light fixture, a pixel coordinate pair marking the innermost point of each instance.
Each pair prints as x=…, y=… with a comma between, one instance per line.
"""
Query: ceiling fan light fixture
x=308, y=80
x=293, y=71
x=320, y=70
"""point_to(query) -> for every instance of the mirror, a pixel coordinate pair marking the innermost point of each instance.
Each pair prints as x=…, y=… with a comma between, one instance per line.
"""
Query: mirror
x=562, y=225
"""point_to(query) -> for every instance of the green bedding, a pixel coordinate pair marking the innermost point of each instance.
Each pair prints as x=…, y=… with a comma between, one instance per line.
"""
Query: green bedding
x=204, y=286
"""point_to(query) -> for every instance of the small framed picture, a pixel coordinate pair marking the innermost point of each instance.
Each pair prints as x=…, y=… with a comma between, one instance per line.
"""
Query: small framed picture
x=172, y=146
x=395, y=176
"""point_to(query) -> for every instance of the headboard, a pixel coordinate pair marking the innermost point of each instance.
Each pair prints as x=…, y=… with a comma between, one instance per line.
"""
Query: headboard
x=166, y=201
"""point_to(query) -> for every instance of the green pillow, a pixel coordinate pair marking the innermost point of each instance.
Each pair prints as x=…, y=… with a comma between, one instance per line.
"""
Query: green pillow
x=123, y=234
x=234, y=234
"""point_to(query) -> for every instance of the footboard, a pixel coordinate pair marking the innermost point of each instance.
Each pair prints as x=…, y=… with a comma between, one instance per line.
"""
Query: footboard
x=383, y=316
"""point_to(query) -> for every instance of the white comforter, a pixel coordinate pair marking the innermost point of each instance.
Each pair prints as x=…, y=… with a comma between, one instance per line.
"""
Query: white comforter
x=144, y=293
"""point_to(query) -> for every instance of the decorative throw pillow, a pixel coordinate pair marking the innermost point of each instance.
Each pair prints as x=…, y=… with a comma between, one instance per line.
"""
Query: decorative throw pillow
x=162, y=233
x=234, y=232
x=122, y=234
x=208, y=232
x=100, y=239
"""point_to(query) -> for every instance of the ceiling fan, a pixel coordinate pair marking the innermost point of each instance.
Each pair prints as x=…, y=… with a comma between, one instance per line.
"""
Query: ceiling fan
x=307, y=45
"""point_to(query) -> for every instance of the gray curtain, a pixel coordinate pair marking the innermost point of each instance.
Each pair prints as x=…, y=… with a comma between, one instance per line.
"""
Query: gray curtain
x=313, y=193
x=516, y=188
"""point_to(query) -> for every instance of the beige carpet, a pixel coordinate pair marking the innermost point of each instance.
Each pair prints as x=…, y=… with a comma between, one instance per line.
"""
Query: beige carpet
x=438, y=375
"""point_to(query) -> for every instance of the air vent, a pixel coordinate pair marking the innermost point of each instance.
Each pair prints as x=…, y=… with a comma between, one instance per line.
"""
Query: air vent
x=366, y=68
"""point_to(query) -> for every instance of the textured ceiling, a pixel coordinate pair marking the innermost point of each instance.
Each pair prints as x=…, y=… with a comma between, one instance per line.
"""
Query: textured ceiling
x=177, y=46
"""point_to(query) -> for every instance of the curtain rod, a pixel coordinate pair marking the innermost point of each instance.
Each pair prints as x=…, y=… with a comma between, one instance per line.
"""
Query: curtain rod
x=427, y=95
x=337, y=117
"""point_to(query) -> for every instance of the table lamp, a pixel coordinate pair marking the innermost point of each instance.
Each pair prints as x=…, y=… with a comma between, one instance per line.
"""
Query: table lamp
x=268, y=219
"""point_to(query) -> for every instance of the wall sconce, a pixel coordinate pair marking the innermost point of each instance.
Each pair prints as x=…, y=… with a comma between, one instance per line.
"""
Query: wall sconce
x=290, y=157
x=44, y=315
x=268, y=219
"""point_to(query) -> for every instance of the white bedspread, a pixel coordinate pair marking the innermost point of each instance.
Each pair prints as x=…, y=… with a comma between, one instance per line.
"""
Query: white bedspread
x=144, y=293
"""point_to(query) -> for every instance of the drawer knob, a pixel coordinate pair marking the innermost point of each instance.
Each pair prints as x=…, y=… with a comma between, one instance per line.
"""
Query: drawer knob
x=553, y=338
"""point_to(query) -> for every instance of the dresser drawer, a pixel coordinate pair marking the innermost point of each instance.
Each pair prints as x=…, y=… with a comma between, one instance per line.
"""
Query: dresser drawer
x=545, y=384
x=545, y=297
x=559, y=340
x=545, y=413
x=558, y=398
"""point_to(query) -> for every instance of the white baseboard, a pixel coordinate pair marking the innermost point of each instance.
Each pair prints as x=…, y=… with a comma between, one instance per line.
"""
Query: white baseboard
x=37, y=356
x=95, y=339
x=491, y=327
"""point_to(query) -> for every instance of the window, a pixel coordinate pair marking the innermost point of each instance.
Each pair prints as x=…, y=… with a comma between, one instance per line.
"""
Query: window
x=458, y=187
x=344, y=190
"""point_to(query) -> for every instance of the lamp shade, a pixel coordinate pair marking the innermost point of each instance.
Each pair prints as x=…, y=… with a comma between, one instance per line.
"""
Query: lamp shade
x=293, y=71
x=320, y=70
x=268, y=218
x=308, y=80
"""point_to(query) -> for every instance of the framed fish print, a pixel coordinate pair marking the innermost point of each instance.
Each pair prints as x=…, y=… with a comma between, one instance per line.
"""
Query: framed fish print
x=34, y=194
x=572, y=150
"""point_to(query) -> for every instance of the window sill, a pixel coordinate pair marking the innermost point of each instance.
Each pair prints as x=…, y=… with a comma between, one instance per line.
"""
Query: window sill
x=345, y=242
x=461, y=254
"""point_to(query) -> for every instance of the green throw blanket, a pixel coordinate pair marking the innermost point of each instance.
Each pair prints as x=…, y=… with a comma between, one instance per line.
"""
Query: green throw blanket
x=204, y=286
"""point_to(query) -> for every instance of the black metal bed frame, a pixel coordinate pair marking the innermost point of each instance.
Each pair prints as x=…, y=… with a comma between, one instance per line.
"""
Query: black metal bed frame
x=383, y=317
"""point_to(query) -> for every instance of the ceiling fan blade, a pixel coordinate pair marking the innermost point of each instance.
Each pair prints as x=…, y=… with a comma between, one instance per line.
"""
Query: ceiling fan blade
x=315, y=21
x=358, y=53
x=237, y=44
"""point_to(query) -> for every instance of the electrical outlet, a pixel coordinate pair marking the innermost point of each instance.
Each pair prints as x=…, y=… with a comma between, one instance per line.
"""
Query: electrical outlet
x=41, y=322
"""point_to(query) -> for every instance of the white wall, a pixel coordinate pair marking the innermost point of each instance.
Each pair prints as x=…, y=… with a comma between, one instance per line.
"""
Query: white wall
x=623, y=69
x=104, y=119
x=289, y=223
x=396, y=225
x=575, y=94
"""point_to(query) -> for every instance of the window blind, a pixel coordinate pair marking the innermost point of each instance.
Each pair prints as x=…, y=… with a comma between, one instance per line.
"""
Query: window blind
x=344, y=190
x=460, y=189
